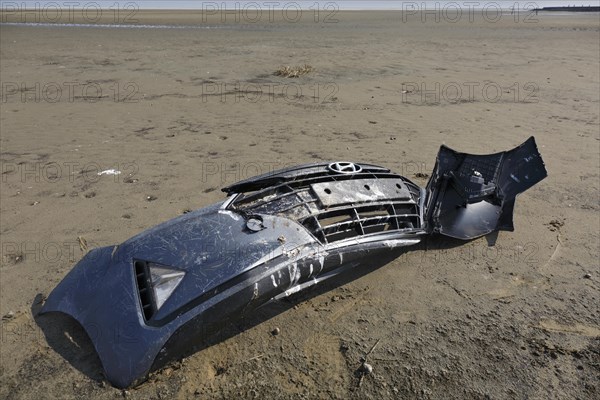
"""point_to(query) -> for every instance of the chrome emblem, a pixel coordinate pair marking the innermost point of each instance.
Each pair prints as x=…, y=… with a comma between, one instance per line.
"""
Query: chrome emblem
x=343, y=167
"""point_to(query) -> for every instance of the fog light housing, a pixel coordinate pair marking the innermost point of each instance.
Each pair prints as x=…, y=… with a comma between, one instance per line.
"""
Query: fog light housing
x=164, y=282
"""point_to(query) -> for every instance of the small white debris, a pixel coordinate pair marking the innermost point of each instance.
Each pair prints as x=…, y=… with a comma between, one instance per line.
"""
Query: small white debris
x=366, y=368
x=109, y=172
x=9, y=315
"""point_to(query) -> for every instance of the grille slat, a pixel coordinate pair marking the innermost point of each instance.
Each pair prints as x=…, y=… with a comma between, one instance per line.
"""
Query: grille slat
x=144, y=286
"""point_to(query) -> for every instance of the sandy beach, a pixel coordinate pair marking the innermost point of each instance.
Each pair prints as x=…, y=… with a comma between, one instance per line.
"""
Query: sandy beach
x=105, y=132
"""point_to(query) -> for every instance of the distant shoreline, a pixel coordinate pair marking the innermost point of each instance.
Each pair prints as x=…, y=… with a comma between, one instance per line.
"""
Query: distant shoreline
x=568, y=9
x=275, y=8
x=192, y=19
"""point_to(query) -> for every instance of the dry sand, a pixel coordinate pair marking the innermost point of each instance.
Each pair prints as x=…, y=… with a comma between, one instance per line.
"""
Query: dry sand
x=183, y=112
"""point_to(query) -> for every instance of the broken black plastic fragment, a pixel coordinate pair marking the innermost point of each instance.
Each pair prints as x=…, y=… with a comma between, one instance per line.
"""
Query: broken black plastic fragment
x=473, y=195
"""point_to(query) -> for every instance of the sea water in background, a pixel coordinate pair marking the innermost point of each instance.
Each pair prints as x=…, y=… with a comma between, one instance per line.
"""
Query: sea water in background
x=303, y=4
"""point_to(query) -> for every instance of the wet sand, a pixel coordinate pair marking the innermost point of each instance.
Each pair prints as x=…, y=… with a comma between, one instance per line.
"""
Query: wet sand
x=183, y=112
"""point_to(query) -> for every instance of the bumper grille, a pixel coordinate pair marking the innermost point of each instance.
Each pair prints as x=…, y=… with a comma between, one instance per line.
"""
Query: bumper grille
x=337, y=207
